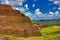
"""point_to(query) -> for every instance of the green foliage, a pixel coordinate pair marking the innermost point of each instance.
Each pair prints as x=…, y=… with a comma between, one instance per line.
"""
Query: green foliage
x=57, y=22
x=45, y=37
x=48, y=30
x=22, y=14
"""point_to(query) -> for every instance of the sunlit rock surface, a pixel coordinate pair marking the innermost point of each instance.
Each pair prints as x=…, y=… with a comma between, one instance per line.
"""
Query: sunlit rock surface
x=12, y=23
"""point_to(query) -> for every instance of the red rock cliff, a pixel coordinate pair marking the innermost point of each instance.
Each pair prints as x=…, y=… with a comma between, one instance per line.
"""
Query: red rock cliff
x=11, y=22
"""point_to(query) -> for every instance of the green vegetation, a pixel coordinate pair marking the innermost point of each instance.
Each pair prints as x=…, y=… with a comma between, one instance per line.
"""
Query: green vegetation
x=44, y=31
x=57, y=22
x=48, y=30
x=22, y=14
x=44, y=37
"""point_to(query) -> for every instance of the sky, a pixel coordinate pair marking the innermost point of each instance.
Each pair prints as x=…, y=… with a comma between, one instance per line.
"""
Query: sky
x=36, y=9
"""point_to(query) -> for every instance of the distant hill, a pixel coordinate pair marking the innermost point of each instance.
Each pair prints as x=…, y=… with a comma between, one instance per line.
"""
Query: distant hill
x=48, y=22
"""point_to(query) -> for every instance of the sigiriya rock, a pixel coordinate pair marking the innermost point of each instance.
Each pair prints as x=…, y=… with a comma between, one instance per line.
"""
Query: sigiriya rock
x=12, y=23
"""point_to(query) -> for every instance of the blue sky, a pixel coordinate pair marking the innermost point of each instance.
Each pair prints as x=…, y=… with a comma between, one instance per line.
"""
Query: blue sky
x=36, y=9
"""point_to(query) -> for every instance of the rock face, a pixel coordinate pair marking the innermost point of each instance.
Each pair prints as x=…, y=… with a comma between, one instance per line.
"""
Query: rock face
x=6, y=7
x=11, y=22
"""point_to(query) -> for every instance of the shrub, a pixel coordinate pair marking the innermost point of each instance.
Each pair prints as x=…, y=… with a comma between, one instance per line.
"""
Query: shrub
x=22, y=14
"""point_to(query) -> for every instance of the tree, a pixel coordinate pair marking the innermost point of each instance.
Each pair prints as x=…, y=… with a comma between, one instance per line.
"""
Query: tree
x=22, y=14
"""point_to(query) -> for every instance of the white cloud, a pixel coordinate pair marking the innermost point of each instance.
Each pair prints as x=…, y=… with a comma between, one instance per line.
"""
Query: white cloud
x=37, y=11
x=56, y=13
x=20, y=3
x=13, y=2
x=21, y=9
x=4, y=1
x=28, y=13
x=17, y=8
x=7, y=2
x=58, y=8
x=33, y=5
x=56, y=2
x=37, y=15
x=43, y=16
x=51, y=14
x=26, y=5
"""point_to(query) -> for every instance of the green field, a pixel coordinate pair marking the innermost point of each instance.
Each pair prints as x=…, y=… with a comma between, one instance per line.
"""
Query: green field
x=44, y=31
x=48, y=30
x=46, y=37
x=56, y=22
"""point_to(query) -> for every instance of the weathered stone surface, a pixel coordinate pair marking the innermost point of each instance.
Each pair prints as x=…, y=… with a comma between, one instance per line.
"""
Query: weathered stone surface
x=6, y=7
x=11, y=22
x=10, y=12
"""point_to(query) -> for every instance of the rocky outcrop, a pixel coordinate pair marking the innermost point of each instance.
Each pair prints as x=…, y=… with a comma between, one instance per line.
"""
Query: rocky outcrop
x=11, y=22
x=6, y=7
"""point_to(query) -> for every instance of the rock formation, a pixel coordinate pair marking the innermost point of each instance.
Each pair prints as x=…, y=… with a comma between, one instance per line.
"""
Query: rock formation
x=12, y=23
